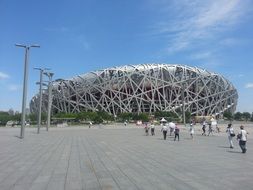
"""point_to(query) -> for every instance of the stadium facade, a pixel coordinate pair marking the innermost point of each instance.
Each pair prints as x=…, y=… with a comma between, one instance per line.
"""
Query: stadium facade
x=143, y=88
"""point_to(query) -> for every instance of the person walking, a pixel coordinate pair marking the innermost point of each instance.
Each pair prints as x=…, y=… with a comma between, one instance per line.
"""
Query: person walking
x=176, y=131
x=171, y=127
x=90, y=124
x=204, y=127
x=210, y=129
x=242, y=137
x=152, y=129
x=231, y=134
x=164, y=130
x=146, y=129
x=191, y=130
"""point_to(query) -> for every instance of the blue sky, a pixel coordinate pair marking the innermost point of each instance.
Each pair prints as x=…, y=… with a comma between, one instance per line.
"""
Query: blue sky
x=79, y=36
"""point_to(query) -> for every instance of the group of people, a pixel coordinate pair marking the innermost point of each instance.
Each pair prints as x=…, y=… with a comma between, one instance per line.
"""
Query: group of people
x=241, y=137
x=212, y=125
x=152, y=126
x=173, y=128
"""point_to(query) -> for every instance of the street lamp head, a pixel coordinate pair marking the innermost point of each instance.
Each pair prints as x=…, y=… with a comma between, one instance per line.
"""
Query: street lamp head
x=43, y=84
x=35, y=45
x=41, y=69
x=48, y=74
x=20, y=45
x=27, y=46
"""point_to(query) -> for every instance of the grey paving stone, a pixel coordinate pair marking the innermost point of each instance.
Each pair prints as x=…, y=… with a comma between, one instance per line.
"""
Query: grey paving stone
x=121, y=158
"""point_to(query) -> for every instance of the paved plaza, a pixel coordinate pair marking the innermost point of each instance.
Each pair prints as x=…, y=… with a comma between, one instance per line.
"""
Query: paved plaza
x=120, y=158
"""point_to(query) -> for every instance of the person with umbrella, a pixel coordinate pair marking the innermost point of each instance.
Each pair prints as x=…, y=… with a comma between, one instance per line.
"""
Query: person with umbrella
x=172, y=127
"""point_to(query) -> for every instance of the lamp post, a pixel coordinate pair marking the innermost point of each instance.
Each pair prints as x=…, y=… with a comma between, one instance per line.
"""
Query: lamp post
x=183, y=102
x=27, y=48
x=40, y=100
x=50, y=75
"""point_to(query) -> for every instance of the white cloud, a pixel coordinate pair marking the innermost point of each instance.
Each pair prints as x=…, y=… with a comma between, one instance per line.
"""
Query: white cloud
x=14, y=87
x=249, y=85
x=3, y=75
x=197, y=21
x=201, y=55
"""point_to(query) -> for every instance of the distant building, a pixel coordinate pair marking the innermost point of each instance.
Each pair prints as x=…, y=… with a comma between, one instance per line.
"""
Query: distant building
x=11, y=112
x=27, y=111
x=144, y=88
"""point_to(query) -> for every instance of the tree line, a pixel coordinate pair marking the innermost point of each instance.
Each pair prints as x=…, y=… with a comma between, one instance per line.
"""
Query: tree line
x=100, y=117
x=238, y=116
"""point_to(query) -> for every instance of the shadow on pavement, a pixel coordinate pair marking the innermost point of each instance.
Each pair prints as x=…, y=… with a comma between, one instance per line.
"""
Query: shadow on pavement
x=231, y=151
x=223, y=146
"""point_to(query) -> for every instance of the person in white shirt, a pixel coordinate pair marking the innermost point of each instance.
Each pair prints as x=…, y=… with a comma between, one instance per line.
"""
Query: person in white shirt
x=164, y=130
x=242, y=137
x=191, y=130
x=231, y=134
x=172, y=127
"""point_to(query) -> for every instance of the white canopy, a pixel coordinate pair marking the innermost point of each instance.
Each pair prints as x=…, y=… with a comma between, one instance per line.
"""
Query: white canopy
x=172, y=125
x=163, y=120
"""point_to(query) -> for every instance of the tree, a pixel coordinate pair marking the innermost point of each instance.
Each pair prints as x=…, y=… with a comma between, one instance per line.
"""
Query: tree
x=142, y=116
x=228, y=115
x=187, y=116
x=170, y=116
x=125, y=116
x=4, y=117
x=32, y=117
x=105, y=116
x=98, y=119
x=246, y=115
x=238, y=116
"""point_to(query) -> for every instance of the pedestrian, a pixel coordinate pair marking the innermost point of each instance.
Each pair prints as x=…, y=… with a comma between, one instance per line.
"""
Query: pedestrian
x=214, y=124
x=125, y=123
x=164, y=130
x=90, y=124
x=217, y=128
x=204, y=127
x=171, y=127
x=152, y=129
x=231, y=134
x=146, y=129
x=176, y=131
x=210, y=129
x=242, y=137
x=191, y=130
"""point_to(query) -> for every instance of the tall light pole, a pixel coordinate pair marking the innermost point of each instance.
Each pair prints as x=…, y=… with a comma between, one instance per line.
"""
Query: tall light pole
x=40, y=100
x=183, y=102
x=27, y=48
x=50, y=75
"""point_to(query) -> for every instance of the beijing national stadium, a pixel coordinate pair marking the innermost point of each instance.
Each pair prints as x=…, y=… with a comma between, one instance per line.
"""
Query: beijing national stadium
x=143, y=88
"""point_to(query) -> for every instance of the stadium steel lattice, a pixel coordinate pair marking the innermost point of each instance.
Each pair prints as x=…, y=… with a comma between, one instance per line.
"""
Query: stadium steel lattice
x=143, y=88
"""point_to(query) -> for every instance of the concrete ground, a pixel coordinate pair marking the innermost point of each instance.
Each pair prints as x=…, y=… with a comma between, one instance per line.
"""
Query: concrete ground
x=118, y=157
